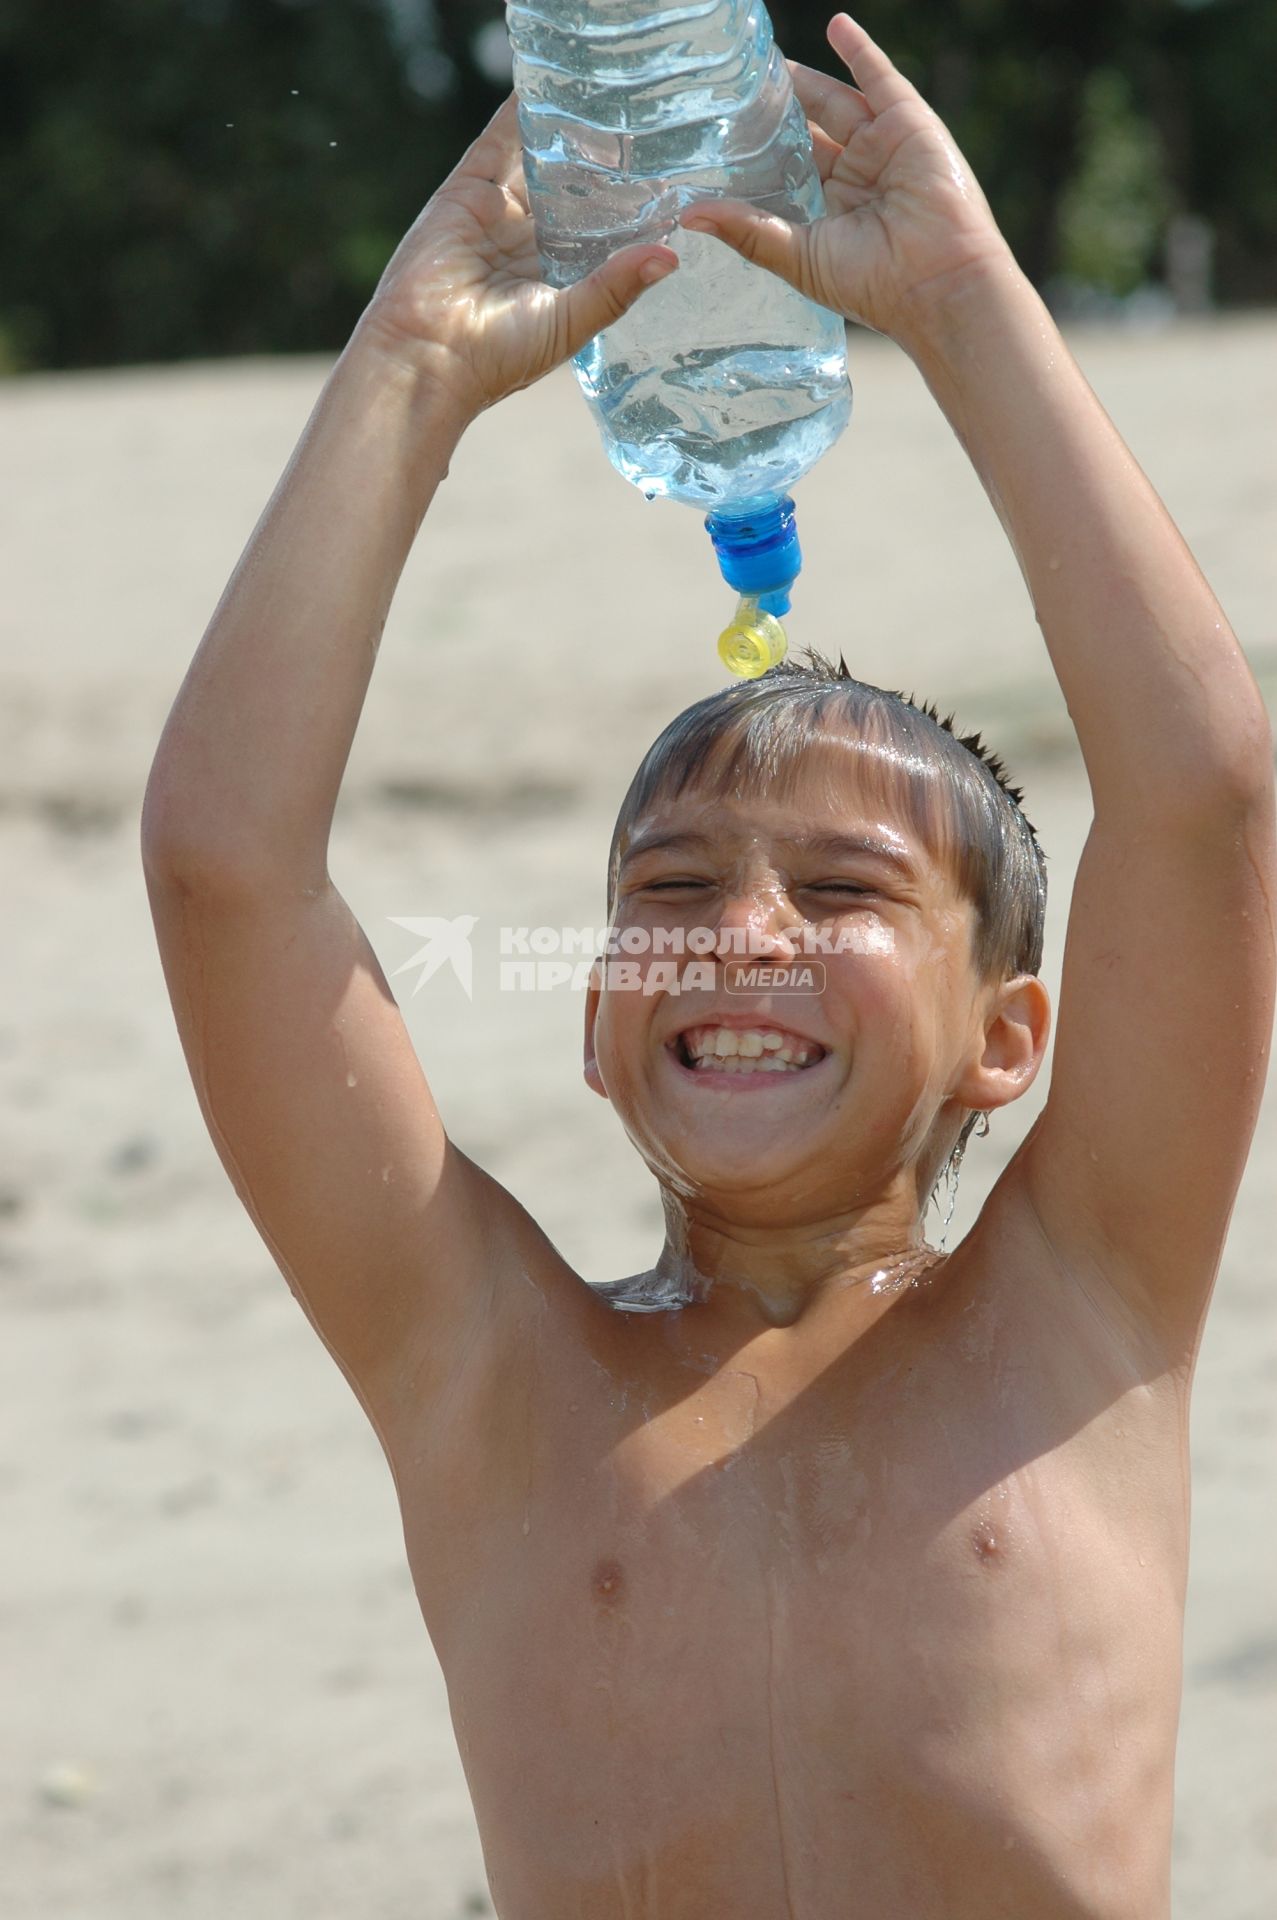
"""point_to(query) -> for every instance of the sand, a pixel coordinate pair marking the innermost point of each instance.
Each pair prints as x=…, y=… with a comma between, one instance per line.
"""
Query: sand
x=218, y=1695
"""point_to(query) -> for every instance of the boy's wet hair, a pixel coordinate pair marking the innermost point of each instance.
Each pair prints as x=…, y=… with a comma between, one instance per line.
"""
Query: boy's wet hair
x=752, y=737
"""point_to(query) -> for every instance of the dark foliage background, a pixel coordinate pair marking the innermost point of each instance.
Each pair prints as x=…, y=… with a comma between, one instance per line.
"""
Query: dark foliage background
x=185, y=178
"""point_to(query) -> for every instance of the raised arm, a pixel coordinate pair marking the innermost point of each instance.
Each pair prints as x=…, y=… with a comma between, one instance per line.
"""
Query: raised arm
x=1167, y=996
x=1166, y=1009
x=393, y=1241
x=1166, y=1001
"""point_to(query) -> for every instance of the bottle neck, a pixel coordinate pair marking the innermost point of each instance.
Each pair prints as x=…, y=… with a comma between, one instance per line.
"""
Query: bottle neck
x=757, y=550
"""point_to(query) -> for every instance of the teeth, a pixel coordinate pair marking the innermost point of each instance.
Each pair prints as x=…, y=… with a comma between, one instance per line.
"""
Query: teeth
x=728, y=1043
x=753, y=1050
x=711, y=1063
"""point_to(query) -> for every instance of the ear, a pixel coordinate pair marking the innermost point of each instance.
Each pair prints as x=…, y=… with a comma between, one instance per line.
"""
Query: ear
x=1017, y=1026
x=593, y=996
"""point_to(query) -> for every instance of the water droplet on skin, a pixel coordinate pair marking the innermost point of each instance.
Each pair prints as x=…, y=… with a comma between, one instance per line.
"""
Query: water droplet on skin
x=909, y=1271
x=527, y=1524
x=1143, y=1561
x=1054, y=563
x=352, y=1080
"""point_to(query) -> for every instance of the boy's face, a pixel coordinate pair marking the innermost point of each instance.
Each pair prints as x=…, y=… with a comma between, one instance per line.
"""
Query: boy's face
x=881, y=1027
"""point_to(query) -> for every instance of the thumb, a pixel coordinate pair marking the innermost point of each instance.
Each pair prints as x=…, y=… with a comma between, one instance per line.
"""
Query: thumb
x=603, y=296
x=764, y=238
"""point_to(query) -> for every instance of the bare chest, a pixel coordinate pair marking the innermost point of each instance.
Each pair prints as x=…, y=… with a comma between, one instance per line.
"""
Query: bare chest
x=793, y=1617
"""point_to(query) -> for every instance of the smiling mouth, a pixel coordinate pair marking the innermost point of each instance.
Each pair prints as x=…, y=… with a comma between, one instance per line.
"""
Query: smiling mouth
x=714, y=1050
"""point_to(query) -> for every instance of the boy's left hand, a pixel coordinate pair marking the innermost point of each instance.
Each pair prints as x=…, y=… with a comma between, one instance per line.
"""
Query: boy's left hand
x=462, y=302
x=905, y=220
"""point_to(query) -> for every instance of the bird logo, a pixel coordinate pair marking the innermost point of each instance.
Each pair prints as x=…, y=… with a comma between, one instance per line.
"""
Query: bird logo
x=447, y=942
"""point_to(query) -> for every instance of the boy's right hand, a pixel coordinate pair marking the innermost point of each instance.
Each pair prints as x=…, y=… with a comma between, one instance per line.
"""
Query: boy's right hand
x=462, y=303
x=905, y=219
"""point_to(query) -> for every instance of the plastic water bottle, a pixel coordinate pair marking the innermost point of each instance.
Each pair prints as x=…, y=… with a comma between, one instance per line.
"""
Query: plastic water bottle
x=723, y=386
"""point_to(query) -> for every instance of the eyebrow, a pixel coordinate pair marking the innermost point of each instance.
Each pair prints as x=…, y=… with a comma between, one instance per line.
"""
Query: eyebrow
x=828, y=846
x=665, y=843
x=842, y=846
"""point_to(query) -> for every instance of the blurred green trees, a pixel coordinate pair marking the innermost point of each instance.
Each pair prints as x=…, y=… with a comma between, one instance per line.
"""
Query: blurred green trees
x=1113, y=210
x=193, y=177
x=184, y=178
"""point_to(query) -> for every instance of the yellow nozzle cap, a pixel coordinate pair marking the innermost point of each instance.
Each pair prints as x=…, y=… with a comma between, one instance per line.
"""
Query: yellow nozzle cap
x=754, y=642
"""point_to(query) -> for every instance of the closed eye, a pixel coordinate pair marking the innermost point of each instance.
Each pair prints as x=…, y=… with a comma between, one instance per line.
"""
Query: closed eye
x=669, y=886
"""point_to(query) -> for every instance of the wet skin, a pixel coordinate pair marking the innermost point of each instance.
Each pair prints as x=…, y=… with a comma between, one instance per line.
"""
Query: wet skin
x=822, y=1595
x=877, y=1613
x=900, y=1016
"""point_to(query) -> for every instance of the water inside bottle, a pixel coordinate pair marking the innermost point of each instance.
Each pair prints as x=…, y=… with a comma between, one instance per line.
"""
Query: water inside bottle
x=722, y=386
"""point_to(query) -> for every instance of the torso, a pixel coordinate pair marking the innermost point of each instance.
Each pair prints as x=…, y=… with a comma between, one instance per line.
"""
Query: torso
x=828, y=1629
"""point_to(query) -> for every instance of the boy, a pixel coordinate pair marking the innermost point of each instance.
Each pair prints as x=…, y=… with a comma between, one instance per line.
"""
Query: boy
x=848, y=1581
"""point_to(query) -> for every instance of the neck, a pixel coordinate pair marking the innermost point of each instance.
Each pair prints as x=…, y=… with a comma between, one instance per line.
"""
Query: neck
x=775, y=1275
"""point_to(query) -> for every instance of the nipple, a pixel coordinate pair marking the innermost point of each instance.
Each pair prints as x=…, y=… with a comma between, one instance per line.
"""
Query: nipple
x=753, y=642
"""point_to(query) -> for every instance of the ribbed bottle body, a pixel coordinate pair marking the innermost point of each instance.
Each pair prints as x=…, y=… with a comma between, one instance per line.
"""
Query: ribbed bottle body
x=722, y=385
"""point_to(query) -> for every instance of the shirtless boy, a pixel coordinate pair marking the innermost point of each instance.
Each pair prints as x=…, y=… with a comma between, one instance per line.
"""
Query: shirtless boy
x=848, y=1586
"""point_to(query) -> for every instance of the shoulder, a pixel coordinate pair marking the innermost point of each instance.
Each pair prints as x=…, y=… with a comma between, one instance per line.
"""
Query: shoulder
x=527, y=1311
x=1069, y=1292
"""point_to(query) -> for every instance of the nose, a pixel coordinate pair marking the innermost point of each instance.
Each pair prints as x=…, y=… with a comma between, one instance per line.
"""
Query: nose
x=758, y=923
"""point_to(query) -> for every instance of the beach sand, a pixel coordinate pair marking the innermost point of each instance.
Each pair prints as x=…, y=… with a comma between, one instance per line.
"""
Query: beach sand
x=218, y=1694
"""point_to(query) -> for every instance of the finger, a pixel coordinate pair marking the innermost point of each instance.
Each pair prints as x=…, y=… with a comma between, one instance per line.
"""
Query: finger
x=515, y=184
x=603, y=296
x=763, y=238
x=839, y=110
x=498, y=152
x=826, y=152
x=504, y=126
x=878, y=80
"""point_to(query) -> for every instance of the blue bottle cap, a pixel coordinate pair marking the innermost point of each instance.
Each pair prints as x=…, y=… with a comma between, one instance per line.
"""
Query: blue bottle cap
x=758, y=551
